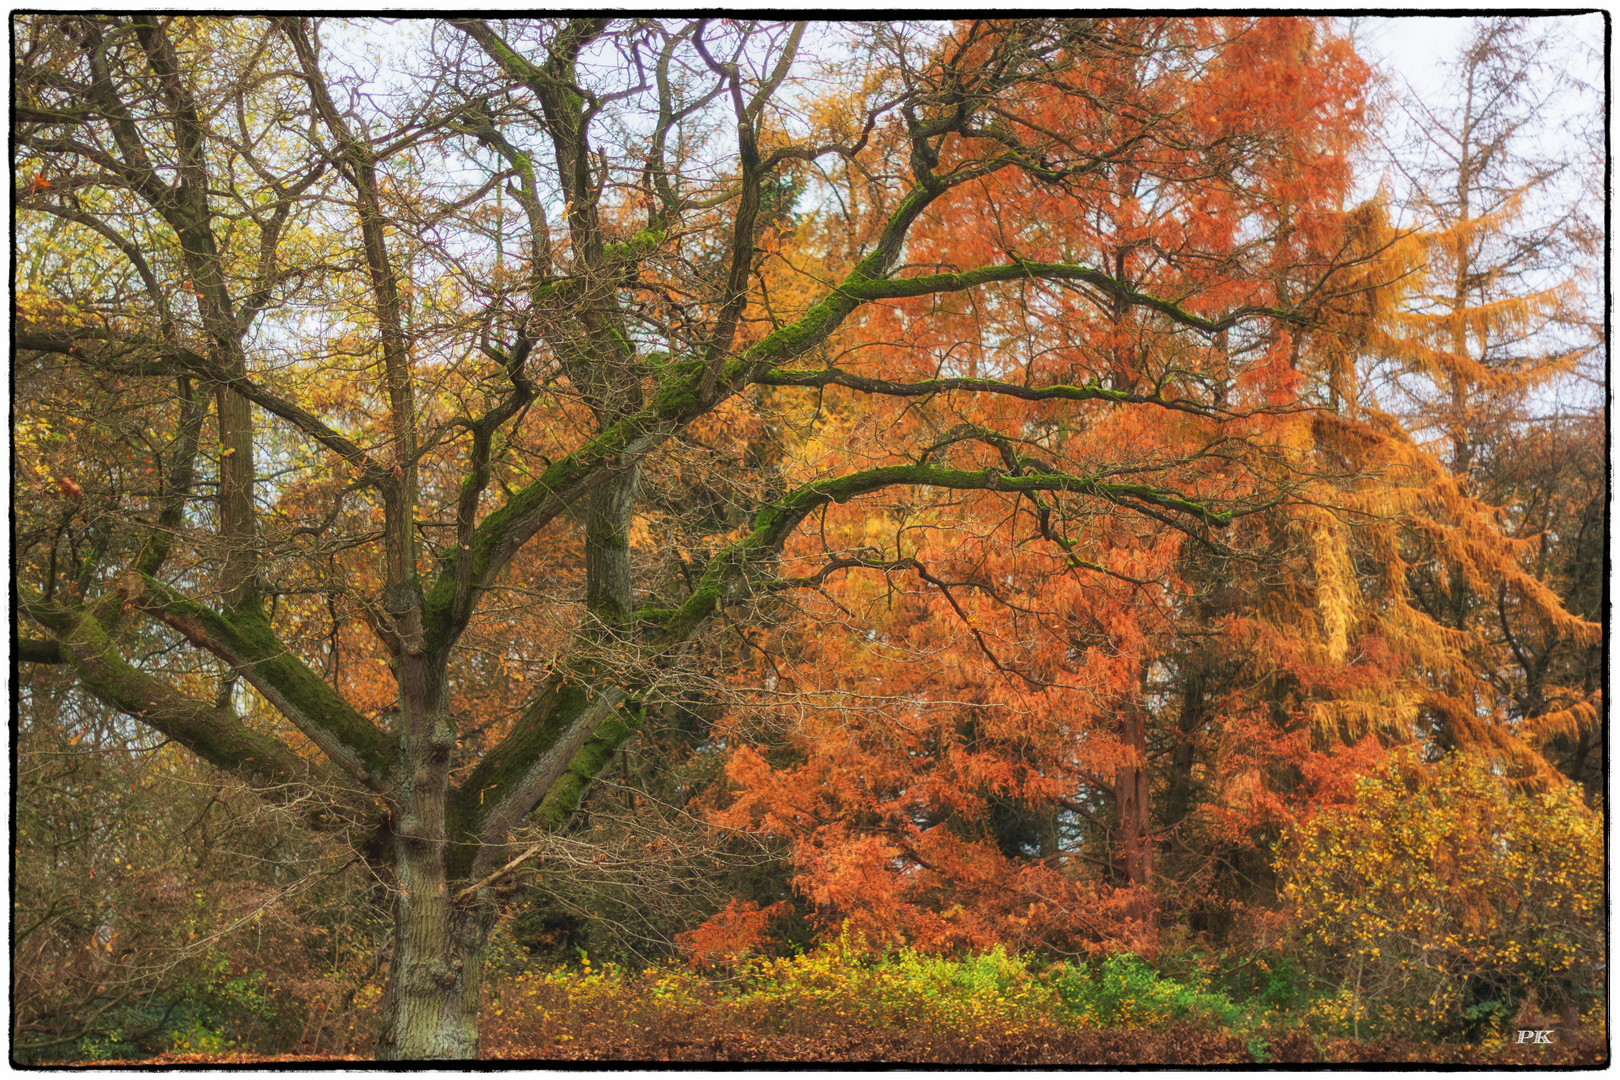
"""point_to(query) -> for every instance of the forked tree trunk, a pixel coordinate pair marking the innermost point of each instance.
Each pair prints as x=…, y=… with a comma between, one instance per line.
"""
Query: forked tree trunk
x=431, y=1007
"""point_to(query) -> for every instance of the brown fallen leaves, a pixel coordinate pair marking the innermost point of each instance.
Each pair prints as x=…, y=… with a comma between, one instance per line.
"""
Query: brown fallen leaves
x=710, y=1039
x=1179, y=1045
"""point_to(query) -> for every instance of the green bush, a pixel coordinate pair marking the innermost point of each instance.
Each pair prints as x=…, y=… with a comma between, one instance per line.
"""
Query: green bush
x=1124, y=992
x=1275, y=985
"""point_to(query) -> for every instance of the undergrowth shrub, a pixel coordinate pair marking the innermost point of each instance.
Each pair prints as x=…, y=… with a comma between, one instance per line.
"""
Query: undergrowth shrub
x=959, y=996
x=846, y=986
x=1123, y=992
x=1445, y=899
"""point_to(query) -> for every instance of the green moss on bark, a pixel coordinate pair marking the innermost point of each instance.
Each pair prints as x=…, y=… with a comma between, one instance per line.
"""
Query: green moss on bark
x=247, y=642
x=217, y=735
x=546, y=720
x=568, y=792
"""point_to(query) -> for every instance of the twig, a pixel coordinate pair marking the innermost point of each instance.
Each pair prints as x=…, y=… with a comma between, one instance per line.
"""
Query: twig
x=469, y=890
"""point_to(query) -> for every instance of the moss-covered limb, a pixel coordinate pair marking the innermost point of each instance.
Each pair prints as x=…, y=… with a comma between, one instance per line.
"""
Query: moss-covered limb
x=513, y=777
x=686, y=388
x=929, y=284
x=808, y=377
x=814, y=327
x=447, y=607
x=214, y=733
x=511, y=61
x=868, y=281
x=680, y=394
x=614, y=451
x=568, y=791
x=177, y=481
x=825, y=316
x=246, y=641
x=638, y=247
x=556, y=77
x=775, y=522
x=37, y=651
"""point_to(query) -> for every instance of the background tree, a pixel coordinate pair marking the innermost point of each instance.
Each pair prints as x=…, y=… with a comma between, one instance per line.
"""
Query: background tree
x=1484, y=353
x=1505, y=186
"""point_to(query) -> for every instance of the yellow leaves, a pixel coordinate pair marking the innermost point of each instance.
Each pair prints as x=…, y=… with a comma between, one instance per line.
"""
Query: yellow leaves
x=1337, y=591
x=1565, y=723
x=836, y=116
x=640, y=533
x=1437, y=869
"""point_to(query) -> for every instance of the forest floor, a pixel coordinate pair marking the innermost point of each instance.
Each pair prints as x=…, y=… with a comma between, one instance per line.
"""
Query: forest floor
x=841, y=1005
x=1185, y=1044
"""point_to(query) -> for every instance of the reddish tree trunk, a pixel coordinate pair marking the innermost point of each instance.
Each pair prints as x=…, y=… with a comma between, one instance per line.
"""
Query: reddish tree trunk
x=1134, y=802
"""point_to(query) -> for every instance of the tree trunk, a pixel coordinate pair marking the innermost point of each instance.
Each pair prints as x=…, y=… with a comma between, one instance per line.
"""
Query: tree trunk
x=431, y=1007
x=432, y=1004
x=1178, y=799
x=608, y=584
x=1134, y=802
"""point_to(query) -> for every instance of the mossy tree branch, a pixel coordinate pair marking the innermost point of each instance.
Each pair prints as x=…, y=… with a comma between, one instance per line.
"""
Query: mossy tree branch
x=214, y=732
x=805, y=377
x=246, y=642
x=542, y=747
x=731, y=568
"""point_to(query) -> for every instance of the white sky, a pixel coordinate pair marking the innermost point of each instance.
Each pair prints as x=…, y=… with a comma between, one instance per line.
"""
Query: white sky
x=1412, y=44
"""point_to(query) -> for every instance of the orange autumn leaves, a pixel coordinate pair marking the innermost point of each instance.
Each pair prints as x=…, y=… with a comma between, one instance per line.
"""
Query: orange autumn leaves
x=951, y=712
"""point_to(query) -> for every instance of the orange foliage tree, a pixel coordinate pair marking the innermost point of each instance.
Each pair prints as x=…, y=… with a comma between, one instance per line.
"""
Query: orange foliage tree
x=1056, y=720
x=970, y=761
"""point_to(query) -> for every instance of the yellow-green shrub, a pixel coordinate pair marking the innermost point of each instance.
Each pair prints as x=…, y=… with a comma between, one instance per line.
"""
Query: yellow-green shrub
x=989, y=991
x=1444, y=896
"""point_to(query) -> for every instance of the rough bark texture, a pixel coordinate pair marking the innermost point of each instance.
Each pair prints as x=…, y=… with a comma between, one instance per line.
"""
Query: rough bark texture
x=430, y=1011
x=607, y=548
